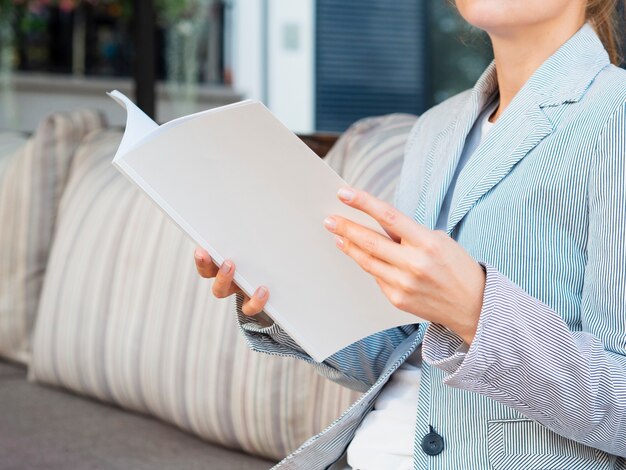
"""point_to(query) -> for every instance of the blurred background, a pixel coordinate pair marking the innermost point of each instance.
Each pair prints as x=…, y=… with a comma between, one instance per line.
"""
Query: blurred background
x=319, y=65
x=99, y=294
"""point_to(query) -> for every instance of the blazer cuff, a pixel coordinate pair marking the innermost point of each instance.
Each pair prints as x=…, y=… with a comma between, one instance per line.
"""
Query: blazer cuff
x=447, y=351
x=263, y=335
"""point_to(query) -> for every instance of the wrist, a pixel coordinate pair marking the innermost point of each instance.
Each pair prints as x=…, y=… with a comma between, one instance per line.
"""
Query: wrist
x=466, y=324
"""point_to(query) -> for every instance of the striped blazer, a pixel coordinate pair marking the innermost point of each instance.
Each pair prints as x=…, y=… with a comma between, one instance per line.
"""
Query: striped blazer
x=542, y=205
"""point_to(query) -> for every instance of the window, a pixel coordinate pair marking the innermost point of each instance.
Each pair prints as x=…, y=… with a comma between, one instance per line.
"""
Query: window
x=371, y=60
x=366, y=58
x=383, y=57
x=59, y=55
x=96, y=37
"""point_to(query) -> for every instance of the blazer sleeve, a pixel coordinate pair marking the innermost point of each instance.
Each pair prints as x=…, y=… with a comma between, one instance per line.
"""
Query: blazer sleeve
x=357, y=366
x=524, y=354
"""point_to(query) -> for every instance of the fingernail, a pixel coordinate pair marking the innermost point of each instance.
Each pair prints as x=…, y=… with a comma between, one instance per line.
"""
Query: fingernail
x=330, y=223
x=261, y=292
x=198, y=256
x=345, y=194
x=339, y=241
x=226, y=267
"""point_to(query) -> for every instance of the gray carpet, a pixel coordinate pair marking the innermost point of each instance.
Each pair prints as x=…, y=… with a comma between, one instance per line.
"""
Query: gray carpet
x=46, y=428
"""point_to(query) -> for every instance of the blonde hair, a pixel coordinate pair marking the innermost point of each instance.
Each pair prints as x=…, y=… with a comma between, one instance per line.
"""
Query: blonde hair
x=604, y=15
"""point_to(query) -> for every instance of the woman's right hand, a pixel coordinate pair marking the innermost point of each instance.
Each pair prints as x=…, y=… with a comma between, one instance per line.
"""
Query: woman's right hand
x=223, y=286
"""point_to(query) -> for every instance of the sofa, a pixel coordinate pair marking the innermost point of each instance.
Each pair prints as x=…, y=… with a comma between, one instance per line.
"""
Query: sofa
x=113, y=352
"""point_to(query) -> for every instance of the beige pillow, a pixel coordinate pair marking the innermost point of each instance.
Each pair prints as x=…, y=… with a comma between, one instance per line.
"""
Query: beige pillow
x=124, y=317
x=31, y=183
x=369, y=154
x=9, y=142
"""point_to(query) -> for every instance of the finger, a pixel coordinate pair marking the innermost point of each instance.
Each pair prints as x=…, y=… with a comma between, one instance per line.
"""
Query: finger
x=223, y=285
x=390, y=218
x=381, y=270
x=255, y=304
x=368, y=240
x=394, y=236
x=204, y=263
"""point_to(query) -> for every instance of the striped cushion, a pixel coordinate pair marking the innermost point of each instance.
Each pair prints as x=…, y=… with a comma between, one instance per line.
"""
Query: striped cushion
x=125, y=318
x=369, y=154
x=9, y=143
x=31, y=182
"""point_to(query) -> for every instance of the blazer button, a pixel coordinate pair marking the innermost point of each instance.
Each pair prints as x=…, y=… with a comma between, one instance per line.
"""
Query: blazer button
x=432, y=443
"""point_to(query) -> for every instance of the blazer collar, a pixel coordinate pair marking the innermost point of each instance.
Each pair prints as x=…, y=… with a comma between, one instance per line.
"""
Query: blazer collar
x=568, y=73
x=561, y=79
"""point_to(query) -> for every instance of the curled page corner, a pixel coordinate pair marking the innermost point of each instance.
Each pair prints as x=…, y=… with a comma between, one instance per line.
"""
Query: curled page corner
x=138, y=124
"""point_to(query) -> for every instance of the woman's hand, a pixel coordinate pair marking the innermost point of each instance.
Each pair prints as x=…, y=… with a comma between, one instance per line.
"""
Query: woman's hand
x=223, y=286
x=421, y=271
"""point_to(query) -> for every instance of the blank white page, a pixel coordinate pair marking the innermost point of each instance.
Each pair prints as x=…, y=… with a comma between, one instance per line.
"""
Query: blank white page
x=246, y=188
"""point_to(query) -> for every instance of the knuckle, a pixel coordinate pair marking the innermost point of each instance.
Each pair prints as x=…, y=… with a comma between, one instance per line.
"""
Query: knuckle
x=390, y=215
x=205, y=273
x=348, y=229
x=202, y=259
x=245, y=308
x=406, y=284
x=432, y=246
x=217, y=291
x=367, y=264
x=417, y=267
x=397, y=299
x=221, y=286
x=370, y=243
x=441, y=235
x=339, y=225
x=250, y=308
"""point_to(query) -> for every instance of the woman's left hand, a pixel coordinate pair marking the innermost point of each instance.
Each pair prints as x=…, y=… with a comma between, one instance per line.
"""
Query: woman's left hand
x=421, y=271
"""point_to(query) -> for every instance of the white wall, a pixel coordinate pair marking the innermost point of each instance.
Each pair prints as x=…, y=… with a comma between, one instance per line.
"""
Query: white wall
x=291, y=81
x=249, y=72
x=275, y=61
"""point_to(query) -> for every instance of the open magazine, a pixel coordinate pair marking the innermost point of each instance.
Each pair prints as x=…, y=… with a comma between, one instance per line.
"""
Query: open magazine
x=245, y=188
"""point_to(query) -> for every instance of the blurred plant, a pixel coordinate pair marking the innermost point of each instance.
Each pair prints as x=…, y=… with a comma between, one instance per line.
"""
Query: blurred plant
x=167, y=10
x=7, y=34
x=173, y=10
x=33, y=12
x=7, y=46
x=186, y=24
x=190, y=30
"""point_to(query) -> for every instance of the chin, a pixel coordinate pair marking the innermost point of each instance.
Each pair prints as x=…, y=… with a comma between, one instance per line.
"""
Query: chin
x=506, y=16
x=487, y=14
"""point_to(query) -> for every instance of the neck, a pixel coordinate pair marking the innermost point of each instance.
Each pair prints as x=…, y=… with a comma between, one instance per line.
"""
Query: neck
x=519, y=55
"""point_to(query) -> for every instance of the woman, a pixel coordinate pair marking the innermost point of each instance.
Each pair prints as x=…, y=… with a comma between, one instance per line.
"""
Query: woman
x=508, y=238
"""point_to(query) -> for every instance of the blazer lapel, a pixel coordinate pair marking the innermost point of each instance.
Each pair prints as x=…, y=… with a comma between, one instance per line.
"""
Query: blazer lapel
x=516, y=133
x=563, y=79
x=445, y=154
